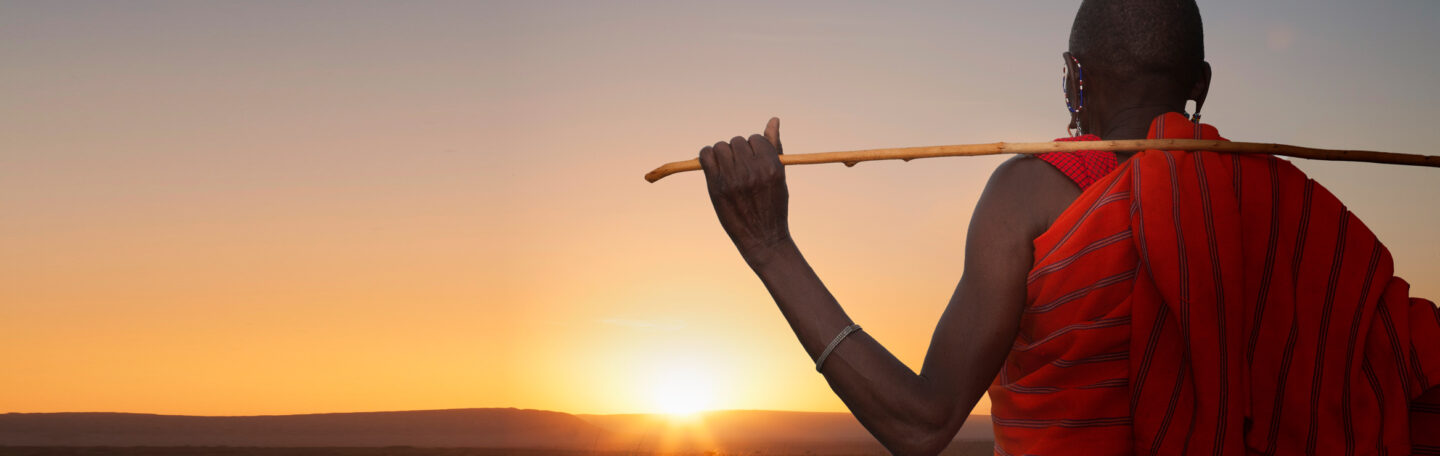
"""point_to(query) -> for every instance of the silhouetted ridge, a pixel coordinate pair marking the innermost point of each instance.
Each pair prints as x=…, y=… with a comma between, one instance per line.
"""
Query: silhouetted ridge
x=731, y=431
x=439, y=428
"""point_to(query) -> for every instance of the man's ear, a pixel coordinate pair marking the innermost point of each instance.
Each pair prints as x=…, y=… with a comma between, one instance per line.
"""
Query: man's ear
x=1202, y=86
x=1072, y=79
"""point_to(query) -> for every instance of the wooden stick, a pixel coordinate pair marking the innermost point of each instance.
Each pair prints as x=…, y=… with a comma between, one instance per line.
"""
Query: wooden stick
x=850, y=158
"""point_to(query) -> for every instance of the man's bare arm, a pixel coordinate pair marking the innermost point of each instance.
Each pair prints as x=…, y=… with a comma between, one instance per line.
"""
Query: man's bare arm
x=909, y=413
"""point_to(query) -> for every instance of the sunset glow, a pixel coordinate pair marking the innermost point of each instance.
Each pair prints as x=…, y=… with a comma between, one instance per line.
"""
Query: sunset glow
x=241, y=208
x=682, y=390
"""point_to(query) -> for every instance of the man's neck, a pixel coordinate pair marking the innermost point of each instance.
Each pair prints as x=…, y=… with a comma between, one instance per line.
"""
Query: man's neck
x=1131, y=122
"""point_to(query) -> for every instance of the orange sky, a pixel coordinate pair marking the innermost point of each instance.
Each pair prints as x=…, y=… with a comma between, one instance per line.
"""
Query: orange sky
x=257, y=208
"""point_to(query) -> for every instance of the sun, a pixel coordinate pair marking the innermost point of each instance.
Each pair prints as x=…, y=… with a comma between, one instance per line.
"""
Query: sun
x=680, y=391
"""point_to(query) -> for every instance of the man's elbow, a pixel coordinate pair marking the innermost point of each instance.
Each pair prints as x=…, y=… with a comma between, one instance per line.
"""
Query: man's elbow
x=929, y=444
x=924, y=439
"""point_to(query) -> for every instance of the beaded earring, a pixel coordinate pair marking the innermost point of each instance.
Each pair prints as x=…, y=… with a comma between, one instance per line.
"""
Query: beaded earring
x=1195, y=118
x=1074, y=127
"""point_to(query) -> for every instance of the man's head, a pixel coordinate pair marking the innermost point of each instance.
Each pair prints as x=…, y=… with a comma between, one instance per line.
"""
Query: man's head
x=1139, y=52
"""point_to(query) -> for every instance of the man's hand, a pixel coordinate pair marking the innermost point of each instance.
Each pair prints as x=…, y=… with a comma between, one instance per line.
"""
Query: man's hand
x=747, y=187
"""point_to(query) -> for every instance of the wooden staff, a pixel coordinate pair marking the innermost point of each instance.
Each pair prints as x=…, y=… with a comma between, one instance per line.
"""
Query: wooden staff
x=850, y=158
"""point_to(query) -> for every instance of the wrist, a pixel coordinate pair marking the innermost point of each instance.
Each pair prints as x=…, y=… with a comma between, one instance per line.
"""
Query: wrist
x=768, y=253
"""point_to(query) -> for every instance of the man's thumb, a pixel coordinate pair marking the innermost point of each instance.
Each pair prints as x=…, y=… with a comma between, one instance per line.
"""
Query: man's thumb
x=772, y=133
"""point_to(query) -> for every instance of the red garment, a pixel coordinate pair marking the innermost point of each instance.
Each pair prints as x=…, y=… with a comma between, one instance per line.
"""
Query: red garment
x=1083, y=166
x=1208, y=303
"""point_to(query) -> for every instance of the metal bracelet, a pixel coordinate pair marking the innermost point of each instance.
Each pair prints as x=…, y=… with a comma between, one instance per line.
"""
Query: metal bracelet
x=838, y=337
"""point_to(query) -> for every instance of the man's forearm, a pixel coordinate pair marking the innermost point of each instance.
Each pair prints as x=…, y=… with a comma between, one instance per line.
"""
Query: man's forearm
x=813, y=313
x=900, y=408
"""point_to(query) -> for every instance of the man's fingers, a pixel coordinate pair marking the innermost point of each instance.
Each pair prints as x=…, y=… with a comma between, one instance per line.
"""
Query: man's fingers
x=723, y=156
x=741, y=147
x=760, y=144
x=767, y=158
x=707, y=159
x=707, y=164
x=744, y=156
x=741, y=158
x=772, y=133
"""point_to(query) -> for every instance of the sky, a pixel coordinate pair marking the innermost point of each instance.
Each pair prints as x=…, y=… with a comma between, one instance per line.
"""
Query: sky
x=264, y=207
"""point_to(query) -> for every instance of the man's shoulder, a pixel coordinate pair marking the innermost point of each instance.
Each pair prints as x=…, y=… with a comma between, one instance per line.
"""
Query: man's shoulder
x=1030, y=190
x=1030, y=179
x=1027, y=167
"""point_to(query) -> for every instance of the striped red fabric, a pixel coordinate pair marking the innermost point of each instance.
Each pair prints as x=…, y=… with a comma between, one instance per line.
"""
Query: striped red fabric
x=1083, y=166
x=1208, y=303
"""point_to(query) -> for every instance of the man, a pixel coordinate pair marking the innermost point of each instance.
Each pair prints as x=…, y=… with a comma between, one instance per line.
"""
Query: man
x=1140, y=315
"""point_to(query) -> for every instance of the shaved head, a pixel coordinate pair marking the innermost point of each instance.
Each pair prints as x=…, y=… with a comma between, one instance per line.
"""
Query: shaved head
x=1140, y=41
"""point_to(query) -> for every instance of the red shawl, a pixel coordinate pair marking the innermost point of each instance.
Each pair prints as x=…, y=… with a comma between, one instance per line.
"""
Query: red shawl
x=1205, y=303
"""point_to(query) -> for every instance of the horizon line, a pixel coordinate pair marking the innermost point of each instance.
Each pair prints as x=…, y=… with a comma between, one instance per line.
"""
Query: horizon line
x=701, y=412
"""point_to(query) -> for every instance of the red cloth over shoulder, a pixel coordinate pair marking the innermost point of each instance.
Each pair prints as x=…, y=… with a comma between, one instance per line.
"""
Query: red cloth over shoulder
x=1083, y=166
x=1215, y=304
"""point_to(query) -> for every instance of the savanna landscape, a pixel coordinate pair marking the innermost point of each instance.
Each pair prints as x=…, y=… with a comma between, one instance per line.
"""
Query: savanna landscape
x=455, y=433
